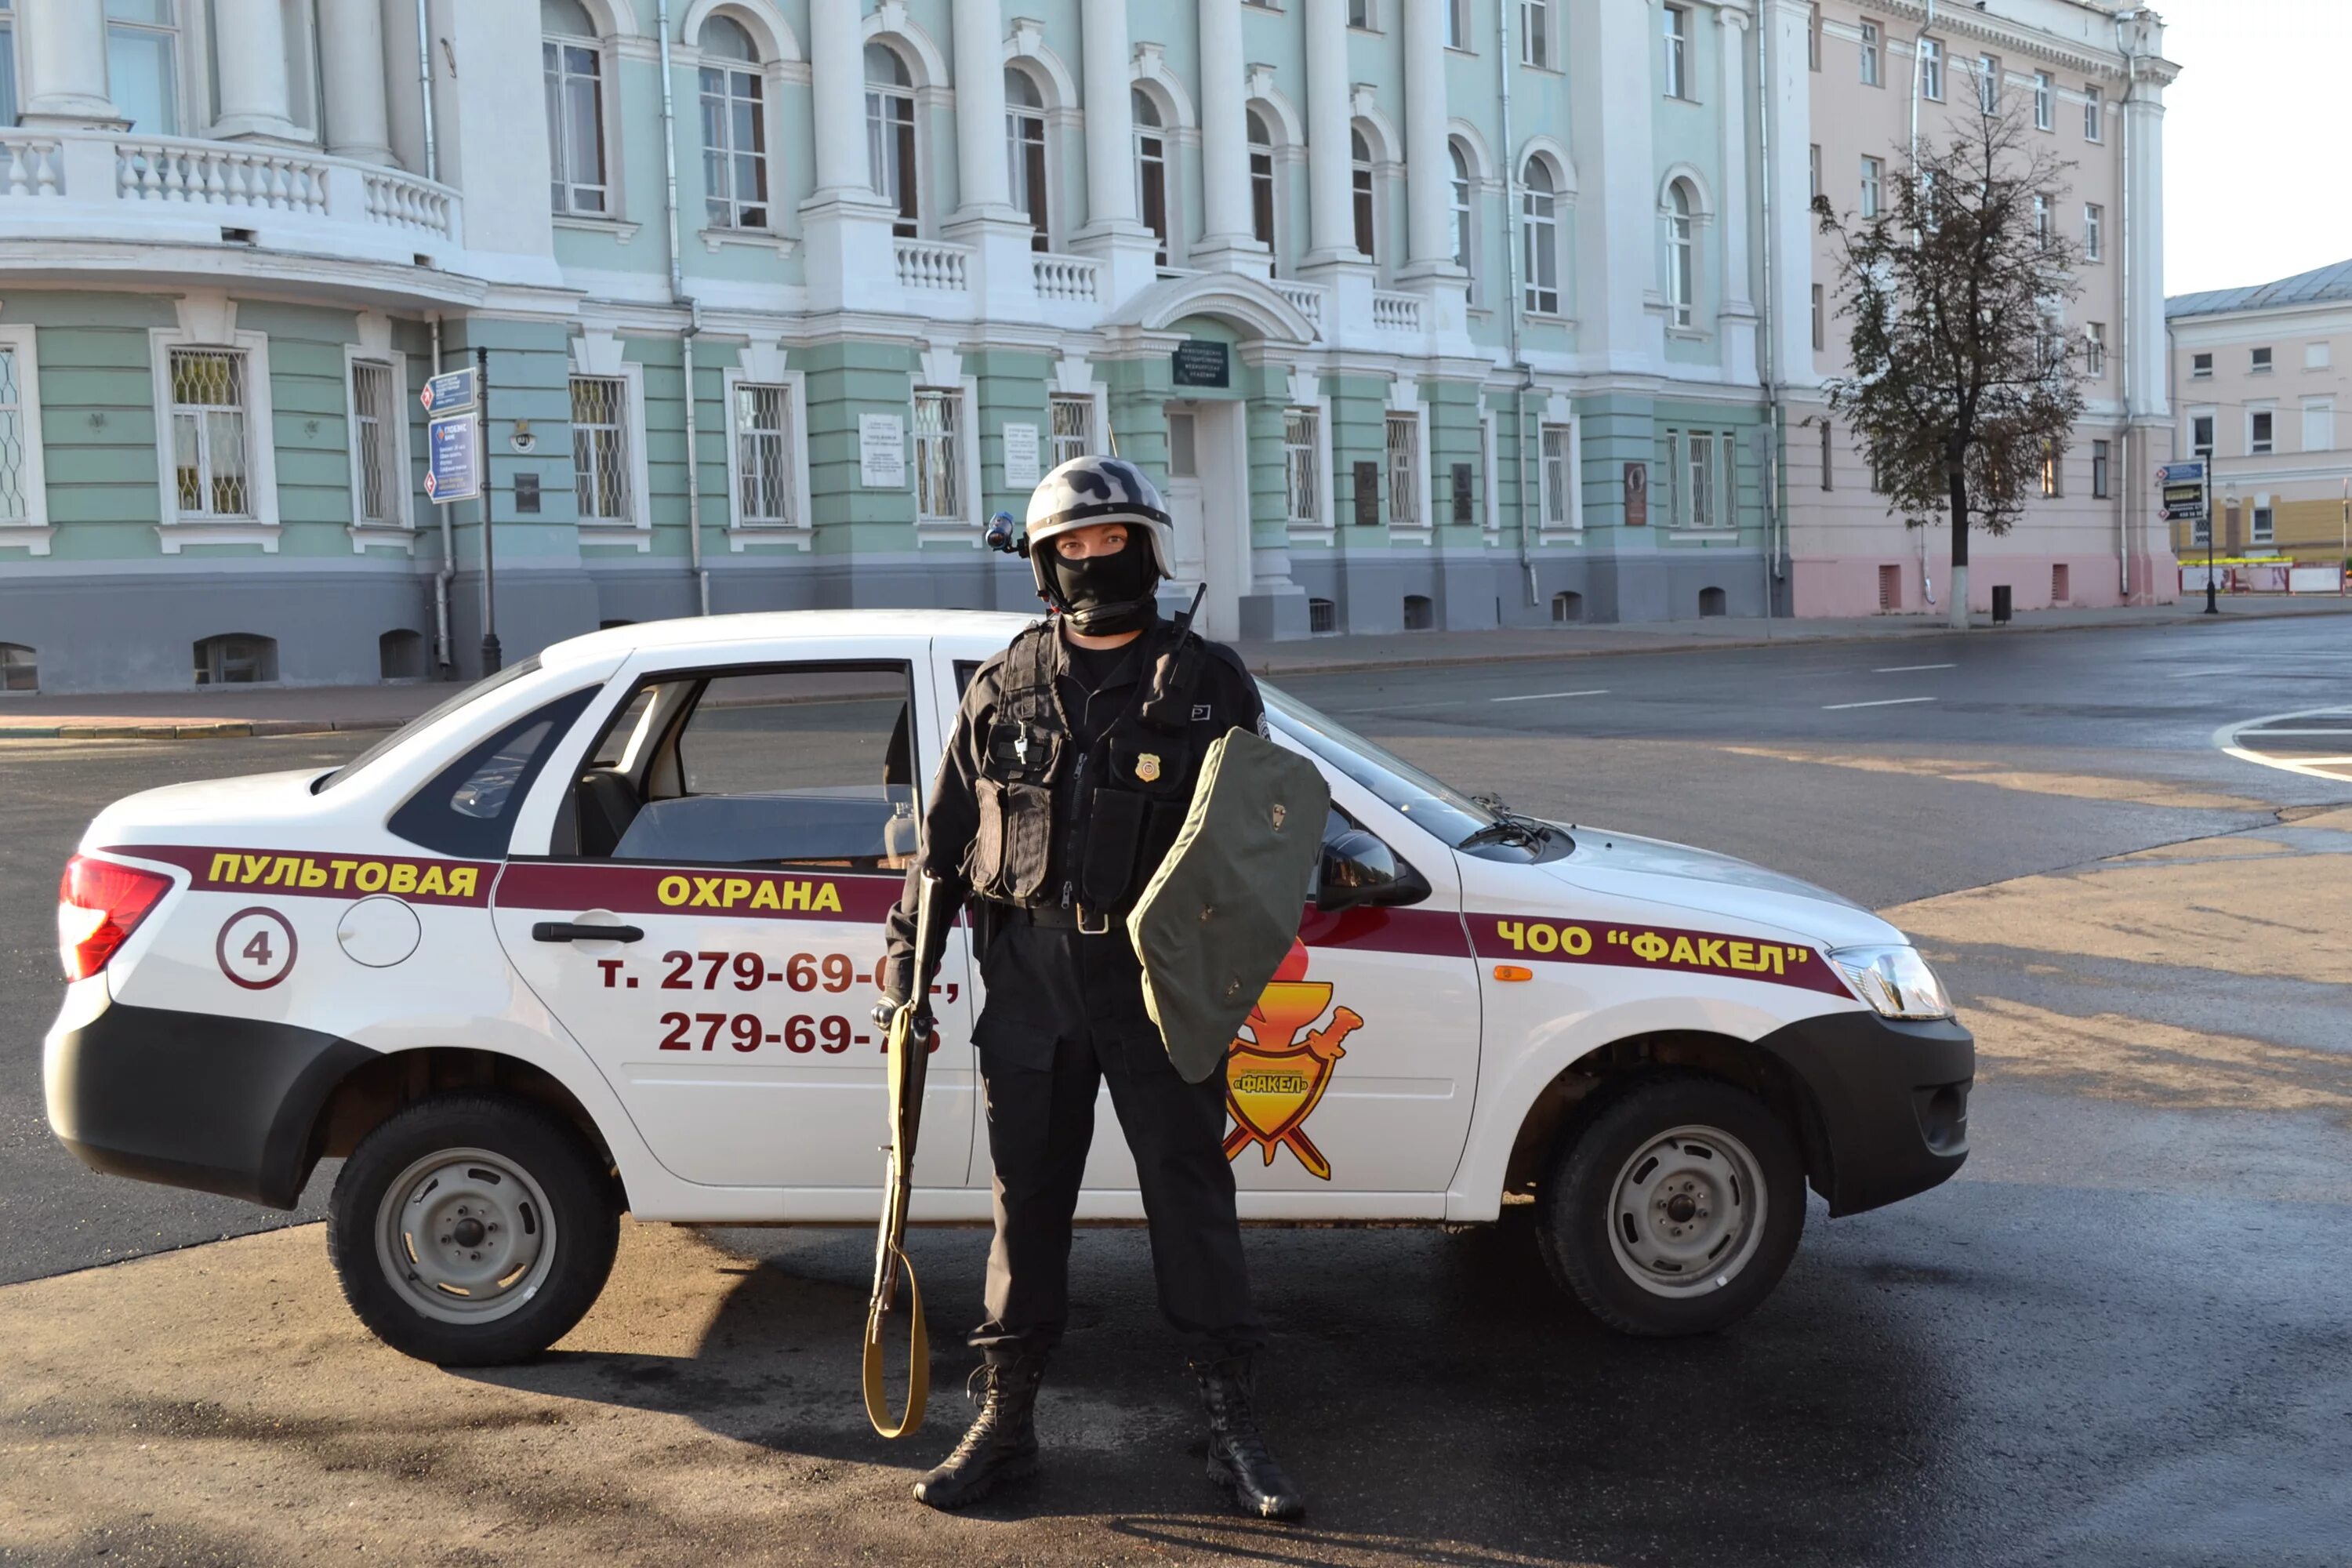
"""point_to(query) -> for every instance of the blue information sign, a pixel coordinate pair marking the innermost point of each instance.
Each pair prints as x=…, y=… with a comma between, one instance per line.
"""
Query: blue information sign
x=455, y=470
x=452, y=392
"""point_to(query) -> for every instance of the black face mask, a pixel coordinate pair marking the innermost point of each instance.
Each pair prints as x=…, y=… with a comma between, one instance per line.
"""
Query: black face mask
x=1106, y=594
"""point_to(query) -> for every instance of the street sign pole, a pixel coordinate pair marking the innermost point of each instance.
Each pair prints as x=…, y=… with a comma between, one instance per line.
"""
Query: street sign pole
x=2212, y=603
x=492, y=657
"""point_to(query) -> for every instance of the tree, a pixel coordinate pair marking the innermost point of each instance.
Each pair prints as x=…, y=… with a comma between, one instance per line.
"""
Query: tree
x=1964, y=385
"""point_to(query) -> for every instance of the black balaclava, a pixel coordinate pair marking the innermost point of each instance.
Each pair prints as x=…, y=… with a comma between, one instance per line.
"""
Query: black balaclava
x=1103, y=596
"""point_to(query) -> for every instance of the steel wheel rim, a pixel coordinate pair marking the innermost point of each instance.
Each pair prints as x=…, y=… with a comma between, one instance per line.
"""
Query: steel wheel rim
x=1686, y=1212
x=465, y=1235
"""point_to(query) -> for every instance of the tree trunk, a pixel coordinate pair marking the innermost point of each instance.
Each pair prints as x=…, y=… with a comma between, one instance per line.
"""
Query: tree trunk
x=1958, y=589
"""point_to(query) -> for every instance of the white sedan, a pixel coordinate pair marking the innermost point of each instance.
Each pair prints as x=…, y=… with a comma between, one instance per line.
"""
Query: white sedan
x=598, y=934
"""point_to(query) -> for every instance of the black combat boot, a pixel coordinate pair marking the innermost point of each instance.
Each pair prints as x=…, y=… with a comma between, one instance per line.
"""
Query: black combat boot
x=1001, y=1445
x=1239, y=1460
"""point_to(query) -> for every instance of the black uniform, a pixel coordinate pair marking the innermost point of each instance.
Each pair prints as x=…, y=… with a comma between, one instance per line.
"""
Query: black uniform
x=1064, y=1009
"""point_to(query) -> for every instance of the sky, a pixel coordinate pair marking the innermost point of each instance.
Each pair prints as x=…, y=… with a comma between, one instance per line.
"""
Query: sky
x=2257, y=140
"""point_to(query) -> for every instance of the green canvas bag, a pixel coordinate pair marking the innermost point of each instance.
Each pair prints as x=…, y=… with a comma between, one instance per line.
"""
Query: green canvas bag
x=1218, y=917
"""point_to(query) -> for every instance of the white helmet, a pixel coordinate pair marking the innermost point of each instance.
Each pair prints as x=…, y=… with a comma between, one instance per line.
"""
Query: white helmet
x=1094, y=490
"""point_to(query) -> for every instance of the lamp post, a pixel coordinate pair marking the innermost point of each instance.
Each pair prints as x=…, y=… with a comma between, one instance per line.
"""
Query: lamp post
x=2212, y=526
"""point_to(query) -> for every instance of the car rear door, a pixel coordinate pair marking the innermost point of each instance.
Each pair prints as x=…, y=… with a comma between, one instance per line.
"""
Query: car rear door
x=748, y=826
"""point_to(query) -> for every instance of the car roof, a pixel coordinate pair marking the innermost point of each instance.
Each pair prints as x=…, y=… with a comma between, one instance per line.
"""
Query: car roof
x=984, y=630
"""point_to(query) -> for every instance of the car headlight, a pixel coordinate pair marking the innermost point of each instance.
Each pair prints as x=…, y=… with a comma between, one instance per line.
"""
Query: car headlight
x=1895, y=980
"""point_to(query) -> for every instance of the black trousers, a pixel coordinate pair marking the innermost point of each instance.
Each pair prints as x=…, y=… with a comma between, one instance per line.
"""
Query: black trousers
x=1041, y=1076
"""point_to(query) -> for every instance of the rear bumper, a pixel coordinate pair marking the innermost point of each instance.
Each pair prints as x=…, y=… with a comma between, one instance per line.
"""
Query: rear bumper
x=1891, y=1102
x=192, y=1100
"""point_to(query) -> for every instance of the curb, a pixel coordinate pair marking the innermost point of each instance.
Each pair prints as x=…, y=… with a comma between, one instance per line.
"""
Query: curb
x=202, y=729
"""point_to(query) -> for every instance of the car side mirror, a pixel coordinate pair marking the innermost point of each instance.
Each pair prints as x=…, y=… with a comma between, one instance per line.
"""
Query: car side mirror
x=1357, y=869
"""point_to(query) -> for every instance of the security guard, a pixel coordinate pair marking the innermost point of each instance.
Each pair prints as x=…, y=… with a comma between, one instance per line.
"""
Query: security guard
x=1069, y=775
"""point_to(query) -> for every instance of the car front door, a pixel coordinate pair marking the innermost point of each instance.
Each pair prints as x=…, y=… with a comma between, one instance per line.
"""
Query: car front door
x=750, y=825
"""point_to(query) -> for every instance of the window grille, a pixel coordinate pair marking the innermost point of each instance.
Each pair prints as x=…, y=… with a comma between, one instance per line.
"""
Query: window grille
x=764, y=491
x=13, y=506
x=208, y=435
x=1557, y=476
x=375, y=441
x=1074, y=428
x=939, y=470
x=2062, y=589
x=734, y=150
x=600, y=448
x=1322, y=617
x=575, y=126
x=1300, y=466
x=1890, y=588
x=1404, y=470
x=1702, y=508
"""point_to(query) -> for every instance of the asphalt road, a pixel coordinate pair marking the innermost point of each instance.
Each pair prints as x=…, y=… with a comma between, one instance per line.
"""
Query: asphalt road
x=2118, y=1337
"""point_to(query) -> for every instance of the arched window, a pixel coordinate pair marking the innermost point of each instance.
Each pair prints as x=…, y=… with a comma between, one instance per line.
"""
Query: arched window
x=20, y=668
x=573, y=70
x=1360, y=162
x=1458, y=198
x=1261, y=167
x=1682, y=277
x=891, y=136
x=1151, y=183
x=400, y=656
x=734, y=128
x=1539, y=216
x=235, y=659
x=1024, y=153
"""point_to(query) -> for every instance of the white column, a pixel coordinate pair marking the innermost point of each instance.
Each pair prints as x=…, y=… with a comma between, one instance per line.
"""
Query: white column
x=1228, y=239
x=1110, y=122
x=985, y=183
x=1429, y=168
x=1736, y=317
x=837, y=93
x=1790, y=235
x=2145, y=382
x=64, y=45
x=255, y=98
x=352, y=58
x=1620, y=240
x=1331, y=210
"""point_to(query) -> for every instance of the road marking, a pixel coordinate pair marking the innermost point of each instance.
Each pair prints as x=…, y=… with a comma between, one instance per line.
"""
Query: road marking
x=1883, y=702
x=2231, y=739
x=1539, y=696
x=2270, y=734
x=1905, y=668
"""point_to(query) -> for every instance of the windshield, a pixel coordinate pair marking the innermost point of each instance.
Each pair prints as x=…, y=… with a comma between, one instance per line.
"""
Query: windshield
x=480, y=690
x=1438, y=810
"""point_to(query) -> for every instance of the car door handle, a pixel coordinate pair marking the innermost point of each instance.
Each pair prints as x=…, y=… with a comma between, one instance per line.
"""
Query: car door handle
x=565, y=930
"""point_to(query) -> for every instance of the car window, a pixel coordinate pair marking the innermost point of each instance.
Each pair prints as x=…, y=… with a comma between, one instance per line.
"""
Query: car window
x=468, y=808
x=426, y=720
x=811, y=766
x=1437, y=808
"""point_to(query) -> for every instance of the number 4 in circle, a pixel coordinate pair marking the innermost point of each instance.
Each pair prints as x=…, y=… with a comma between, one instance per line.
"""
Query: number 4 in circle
x=256, y=948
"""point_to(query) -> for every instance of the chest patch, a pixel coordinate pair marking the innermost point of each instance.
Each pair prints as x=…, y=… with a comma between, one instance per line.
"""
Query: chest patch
x=1147, y=767
x=1200, y=712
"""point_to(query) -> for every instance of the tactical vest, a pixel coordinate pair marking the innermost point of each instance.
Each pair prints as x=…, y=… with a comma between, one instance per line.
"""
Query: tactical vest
x=1129, y=791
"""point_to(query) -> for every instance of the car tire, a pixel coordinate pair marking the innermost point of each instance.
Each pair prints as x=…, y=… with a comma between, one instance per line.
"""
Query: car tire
x=1671, y=1207
x=473, y=1229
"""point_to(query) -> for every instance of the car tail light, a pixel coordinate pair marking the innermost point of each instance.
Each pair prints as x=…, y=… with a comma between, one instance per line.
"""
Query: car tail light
x=100, y=904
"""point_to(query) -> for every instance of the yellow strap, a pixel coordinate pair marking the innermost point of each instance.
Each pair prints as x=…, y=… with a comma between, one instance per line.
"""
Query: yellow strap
x=918, y=1361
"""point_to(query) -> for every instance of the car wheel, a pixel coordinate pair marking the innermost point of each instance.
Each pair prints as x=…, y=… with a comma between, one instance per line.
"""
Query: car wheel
x=472, y=1230
x=1673, y=1208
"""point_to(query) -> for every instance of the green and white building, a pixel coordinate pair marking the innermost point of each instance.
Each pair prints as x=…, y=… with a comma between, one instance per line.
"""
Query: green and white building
x=1441, y=313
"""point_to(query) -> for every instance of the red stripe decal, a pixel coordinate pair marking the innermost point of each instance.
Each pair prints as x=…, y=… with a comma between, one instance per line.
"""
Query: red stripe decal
x=1656, y=947
x=859, y=898
x=312, y=875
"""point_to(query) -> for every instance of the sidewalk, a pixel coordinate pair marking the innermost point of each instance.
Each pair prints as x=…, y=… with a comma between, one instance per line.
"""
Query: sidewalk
x=226, y=712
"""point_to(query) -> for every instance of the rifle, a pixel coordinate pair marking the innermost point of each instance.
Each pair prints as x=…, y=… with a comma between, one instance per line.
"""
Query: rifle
x=909, y=1059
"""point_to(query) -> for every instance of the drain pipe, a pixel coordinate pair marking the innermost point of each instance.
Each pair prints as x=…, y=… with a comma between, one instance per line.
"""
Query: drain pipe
x=424, y=100
x=1776, y=418
x=1514, y=240
x=678, y=296
x=1919, y=49
x=2124, y=328
x=448, y=572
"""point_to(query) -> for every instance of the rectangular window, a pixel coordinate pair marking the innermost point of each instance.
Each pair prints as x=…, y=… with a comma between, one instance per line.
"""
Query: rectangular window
x=2319, y=426
x=376, y=446
x=2061, y=587
x=1534, y=33
x=1677, y=46
x=2099, y=466
x=2200, y=367
x=765, y=494
x=2054, y=469
x=1301, y=468
x=2259, y=424
x=1702, y=490
x=599, y=449
x=2265, y=528
x=13, y=506
x=1873, y=186
x=2258, y=361
x=1074, y=428
x=7, y=72
x=1557, y=475
x=2200, y=436
x=1989, y=83
x=209, y=457
x=2095, y=115
x=2202, y=532
x=1829, y=473
x=734, y=150
x=2041, y=216
x=2095, y=348
x=1890, y=588
x=2045, y=101
x=1813, y=166
x=2094, y=232
x=1457, y=24
x=939, y=455
x=2315, y=356
x=1820, y=327
x=142, y=73
x=1404, y=470
x=575, y=127
x=1363, y=14
x=1931, y=69
x=1874, y=72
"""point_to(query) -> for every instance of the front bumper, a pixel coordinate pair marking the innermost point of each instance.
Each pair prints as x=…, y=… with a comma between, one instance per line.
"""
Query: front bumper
x=1890, y=1102
x=193, y=1099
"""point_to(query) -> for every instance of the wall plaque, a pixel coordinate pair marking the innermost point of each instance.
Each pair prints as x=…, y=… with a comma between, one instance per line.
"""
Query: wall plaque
x=1200, y=363
x=1637, y=495
x=1368, y=495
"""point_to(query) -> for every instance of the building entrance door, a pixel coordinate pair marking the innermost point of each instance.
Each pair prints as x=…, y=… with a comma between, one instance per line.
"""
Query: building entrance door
x=1208, y=501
